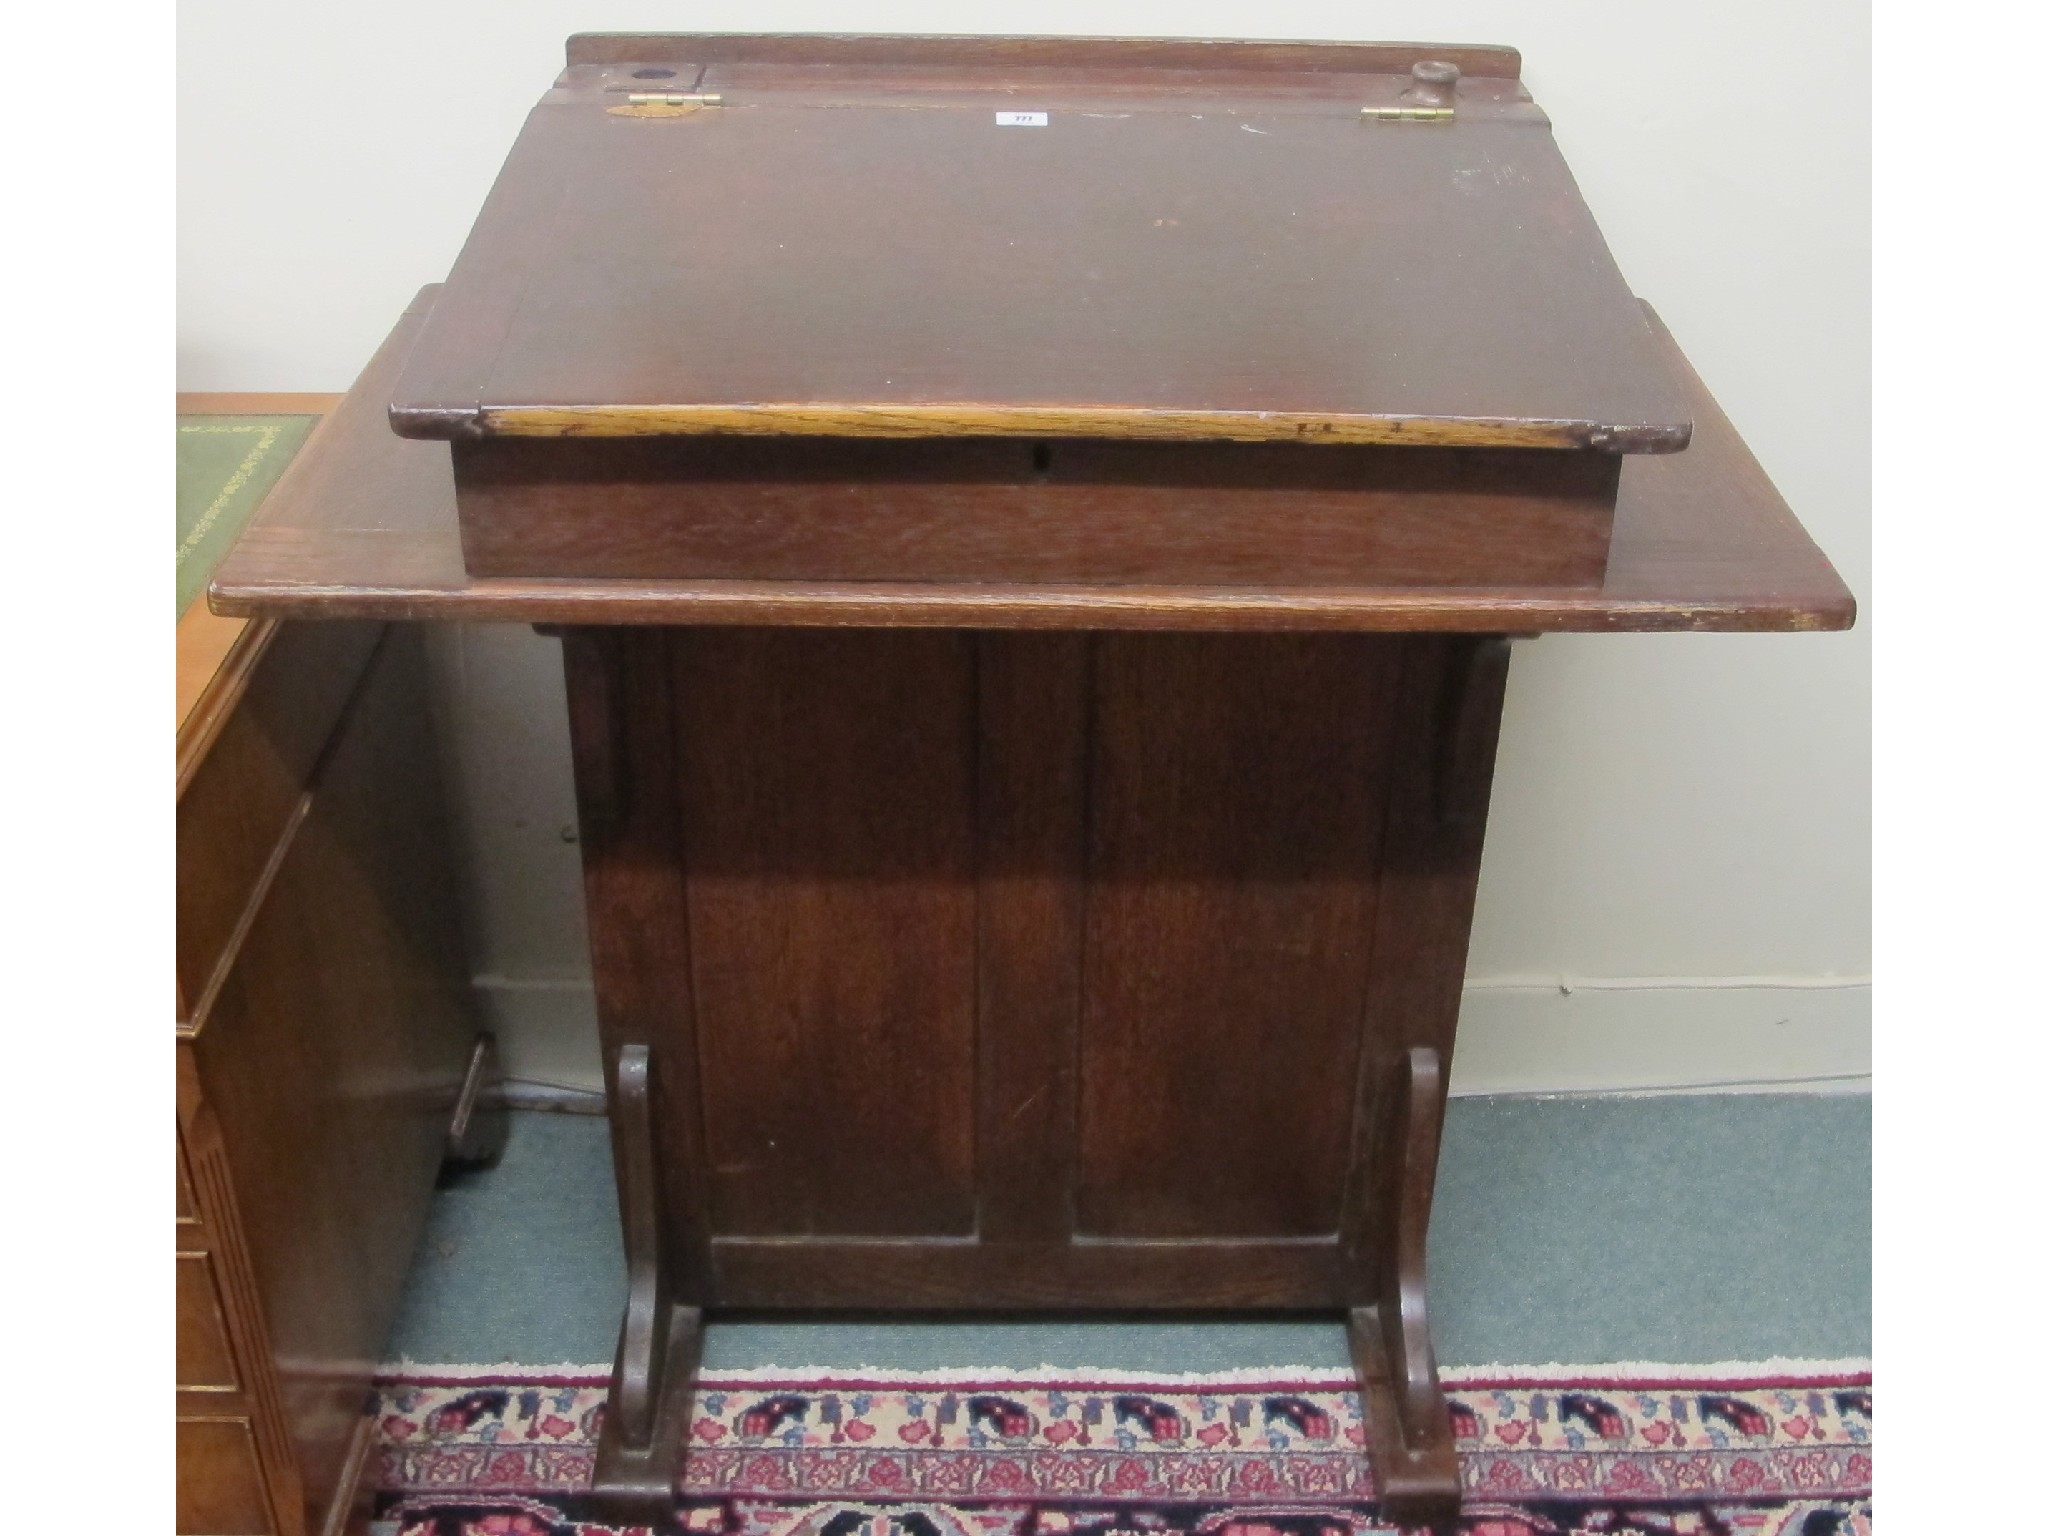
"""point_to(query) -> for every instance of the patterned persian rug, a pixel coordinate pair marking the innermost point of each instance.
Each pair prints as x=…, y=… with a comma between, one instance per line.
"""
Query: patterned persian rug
x=1779, y=1449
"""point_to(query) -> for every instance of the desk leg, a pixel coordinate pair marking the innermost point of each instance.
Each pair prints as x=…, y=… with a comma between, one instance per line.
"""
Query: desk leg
x=1414, y=1456
x=1430, y=875
x=620, y=737
x=640, y=1445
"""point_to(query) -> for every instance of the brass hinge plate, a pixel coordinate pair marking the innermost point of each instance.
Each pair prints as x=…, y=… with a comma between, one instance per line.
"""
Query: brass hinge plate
x=666, y=103
x=1407, y=114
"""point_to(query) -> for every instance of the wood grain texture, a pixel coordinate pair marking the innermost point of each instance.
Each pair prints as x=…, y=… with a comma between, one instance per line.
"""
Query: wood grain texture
x=205, y=641
x=206, y=1362
x=364, y=524
x=260, y=403
x=1164, y=258
x=1236, y=806
x=928, y=1276
x=319, y=1059
x=1031, y=785
x=241, y=786
x=824, y=419
x=1043, y=965
x=325, y=1044
x=1448, y=714
x=826, y=802
x=622, y=742
x=983, y=509
x=220, y=1486
x=217, y=1227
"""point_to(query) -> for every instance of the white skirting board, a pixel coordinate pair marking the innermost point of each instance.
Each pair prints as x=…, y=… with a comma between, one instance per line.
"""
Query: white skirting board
x=1515, y=1036
x=1659, y=1034
x=547, y=1031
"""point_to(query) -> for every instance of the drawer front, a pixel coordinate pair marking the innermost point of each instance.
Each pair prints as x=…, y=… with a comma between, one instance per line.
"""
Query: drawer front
x=220, y=1487
x=205, y=1362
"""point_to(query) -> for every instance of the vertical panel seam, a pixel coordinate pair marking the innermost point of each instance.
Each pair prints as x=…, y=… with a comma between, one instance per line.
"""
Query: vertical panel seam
x=1091, y=714
x=978, y=883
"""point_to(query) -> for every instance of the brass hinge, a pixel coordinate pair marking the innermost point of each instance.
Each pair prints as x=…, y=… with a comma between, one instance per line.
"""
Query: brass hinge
x=666, y=103
x=1408, y=114
x=1431, y=96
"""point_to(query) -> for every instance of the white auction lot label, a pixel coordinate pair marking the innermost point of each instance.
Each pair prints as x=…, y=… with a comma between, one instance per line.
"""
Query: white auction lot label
x=1021, y=119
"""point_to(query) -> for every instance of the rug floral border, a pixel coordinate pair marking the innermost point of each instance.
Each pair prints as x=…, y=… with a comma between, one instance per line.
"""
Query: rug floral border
x=1761, y=1448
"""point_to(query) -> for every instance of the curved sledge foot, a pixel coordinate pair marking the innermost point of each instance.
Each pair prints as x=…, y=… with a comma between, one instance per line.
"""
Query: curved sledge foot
x=1408, y=1424
x=640, y=1444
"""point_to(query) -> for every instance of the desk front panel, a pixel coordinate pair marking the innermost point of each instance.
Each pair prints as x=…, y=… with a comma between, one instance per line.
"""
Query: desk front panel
x=1011, y=970
x=994, y=509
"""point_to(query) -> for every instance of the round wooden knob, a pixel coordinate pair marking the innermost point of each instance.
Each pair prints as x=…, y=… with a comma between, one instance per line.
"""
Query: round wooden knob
x=1432, y=83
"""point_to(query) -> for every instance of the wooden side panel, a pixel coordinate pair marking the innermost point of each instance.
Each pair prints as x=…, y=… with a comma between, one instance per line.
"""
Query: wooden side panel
x=621, y=733
x=234, y=810
x=826, y=785
x=1449, y=713
x=330, y=1059
x=1238, y=803
x=220, y=1490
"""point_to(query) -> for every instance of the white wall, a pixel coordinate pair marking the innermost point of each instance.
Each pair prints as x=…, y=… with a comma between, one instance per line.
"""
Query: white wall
x=1676, y=884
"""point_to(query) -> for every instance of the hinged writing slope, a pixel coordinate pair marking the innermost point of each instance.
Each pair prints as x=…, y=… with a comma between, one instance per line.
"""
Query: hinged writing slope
x=1169, y=249
x=969, y=277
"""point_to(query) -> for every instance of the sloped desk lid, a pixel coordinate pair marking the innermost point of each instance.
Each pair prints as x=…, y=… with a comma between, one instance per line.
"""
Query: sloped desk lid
x=921, y=236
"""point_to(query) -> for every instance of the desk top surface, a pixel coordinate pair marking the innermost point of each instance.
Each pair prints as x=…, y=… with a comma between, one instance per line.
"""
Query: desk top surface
x=260, y=434
x=928, y=236
x=363, y=525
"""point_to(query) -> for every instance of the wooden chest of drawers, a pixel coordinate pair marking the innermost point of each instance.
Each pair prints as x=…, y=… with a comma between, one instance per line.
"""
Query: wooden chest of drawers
x=323, y=1041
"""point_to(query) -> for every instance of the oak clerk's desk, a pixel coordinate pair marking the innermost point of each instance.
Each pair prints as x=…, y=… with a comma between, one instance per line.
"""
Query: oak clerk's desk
x=1095, y=939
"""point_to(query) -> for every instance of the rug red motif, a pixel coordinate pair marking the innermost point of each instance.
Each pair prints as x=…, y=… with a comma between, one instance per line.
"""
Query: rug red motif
x=1775, y=1450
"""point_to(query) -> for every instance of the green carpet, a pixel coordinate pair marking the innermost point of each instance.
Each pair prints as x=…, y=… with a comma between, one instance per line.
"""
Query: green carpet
x=226, y=466
x=1580, y=1230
